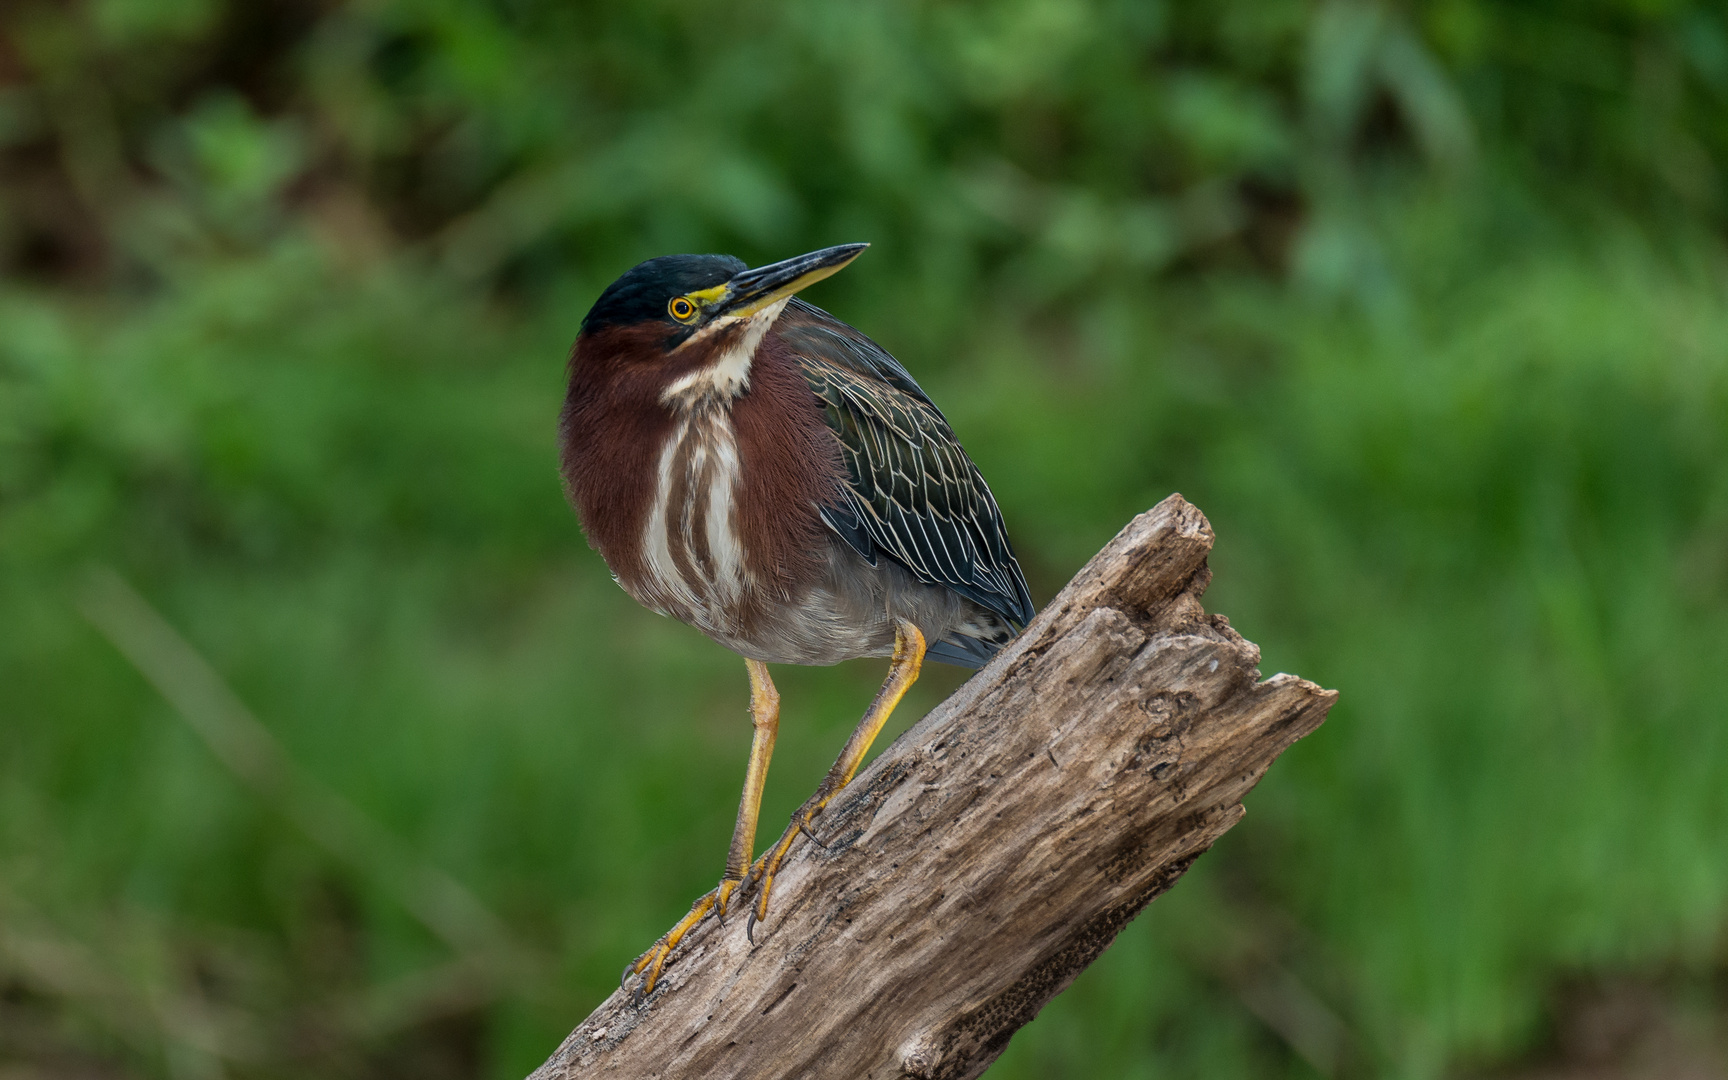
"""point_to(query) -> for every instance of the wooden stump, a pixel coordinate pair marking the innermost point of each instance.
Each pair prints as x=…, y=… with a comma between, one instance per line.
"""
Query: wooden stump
x=993, y=851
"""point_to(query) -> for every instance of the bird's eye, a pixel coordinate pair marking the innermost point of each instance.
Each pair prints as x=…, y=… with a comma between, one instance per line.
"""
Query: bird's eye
x=681, y=308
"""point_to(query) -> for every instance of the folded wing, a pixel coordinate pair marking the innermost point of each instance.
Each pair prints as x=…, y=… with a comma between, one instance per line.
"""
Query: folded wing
x=912, y=493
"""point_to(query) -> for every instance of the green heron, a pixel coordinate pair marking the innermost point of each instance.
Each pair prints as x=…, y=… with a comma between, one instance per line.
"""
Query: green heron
x=751, y=465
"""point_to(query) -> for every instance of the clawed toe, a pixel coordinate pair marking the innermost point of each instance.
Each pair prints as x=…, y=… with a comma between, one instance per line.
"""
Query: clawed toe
x=804, y=827
x=655, y=958
x=650, y=959
x=721, y=900
x=769, y=864
x=729, y=889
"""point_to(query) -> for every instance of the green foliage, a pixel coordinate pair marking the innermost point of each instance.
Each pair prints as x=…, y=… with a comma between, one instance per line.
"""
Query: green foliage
x=1422, y=304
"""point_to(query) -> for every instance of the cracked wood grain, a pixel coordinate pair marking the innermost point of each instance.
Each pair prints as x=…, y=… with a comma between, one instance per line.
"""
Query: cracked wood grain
x=993, y=851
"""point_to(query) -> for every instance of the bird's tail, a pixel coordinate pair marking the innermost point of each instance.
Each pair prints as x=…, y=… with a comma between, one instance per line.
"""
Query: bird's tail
x=974, y=642
x=962, y=651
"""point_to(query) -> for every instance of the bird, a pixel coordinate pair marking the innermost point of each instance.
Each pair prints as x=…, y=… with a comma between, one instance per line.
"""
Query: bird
x=751, y=465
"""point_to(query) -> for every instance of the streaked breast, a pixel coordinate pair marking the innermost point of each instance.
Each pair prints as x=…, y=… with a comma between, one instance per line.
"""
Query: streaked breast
x=695, y=569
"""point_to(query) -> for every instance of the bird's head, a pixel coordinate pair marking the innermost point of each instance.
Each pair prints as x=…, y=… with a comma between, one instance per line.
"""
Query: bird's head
x=689, y=324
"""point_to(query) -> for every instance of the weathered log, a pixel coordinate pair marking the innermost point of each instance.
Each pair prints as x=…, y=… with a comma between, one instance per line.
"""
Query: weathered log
x=990, y=854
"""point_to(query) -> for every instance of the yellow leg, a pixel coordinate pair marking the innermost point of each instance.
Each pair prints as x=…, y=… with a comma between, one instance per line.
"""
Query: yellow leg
x=765, y=719
x=902, y=673
x=765, y=722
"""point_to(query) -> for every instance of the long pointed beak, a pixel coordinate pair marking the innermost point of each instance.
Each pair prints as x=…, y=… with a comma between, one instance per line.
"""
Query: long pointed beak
x=753, y=290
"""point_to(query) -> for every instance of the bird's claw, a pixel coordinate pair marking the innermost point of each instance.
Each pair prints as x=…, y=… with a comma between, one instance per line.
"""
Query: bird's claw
x=717, y=902
x=655, y=958
x=723, y=896
x=804, y=827
x=768, y=865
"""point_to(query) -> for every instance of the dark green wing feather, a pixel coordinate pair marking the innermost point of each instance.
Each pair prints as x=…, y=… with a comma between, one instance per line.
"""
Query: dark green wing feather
x=912, y=492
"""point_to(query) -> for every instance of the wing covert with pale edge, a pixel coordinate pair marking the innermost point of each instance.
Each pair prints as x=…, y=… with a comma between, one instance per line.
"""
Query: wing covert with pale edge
x=912, y=493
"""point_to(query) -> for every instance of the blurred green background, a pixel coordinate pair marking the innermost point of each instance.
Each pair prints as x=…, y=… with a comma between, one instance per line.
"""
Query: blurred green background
x=1425, y=304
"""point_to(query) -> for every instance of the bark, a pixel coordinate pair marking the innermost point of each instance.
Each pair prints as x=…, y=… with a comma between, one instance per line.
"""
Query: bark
x=993, y=851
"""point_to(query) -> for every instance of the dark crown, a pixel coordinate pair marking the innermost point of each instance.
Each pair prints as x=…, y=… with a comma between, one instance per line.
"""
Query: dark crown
x=641, y=294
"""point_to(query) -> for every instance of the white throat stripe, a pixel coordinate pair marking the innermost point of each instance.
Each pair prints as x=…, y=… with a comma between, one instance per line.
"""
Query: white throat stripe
x=729, y=374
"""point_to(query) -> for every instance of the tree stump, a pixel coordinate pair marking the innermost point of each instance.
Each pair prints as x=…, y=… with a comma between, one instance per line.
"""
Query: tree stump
x=992, y=852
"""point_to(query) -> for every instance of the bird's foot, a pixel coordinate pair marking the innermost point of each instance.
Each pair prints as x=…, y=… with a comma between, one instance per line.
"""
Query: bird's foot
x=716, y=903
x=654, y=960
x=768, y=865
x=723, y=895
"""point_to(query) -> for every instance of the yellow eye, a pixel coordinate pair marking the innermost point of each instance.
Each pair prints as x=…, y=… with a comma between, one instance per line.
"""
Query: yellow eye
x=681, y=309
